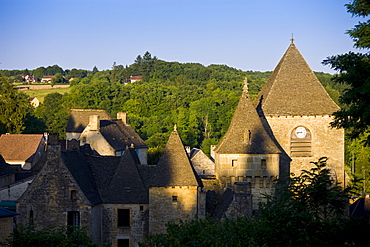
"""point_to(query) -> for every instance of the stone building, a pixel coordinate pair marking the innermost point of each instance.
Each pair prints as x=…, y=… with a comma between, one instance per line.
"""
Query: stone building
x=297, y=111
x=247, y=153
x=105, y=194
x=105, y=135
x=175, y=190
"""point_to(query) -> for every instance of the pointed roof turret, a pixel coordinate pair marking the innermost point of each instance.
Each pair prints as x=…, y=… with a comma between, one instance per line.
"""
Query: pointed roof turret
x=246, y=133
x=174, y=168
x=294, y=90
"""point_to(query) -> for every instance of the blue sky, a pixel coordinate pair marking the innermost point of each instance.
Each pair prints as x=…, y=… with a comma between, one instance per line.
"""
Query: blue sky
x=248, y=35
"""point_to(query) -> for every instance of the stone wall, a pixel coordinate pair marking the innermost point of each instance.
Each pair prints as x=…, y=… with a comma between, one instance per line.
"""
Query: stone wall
x=136, y=232
x=259, y=169
x=6, y=226
x=325, y=141
x=171, y=204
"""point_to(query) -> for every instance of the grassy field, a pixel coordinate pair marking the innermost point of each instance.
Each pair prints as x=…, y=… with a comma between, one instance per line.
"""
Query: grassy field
x=41, y=93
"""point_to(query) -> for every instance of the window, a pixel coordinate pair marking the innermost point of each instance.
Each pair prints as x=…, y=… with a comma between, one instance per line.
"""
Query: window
x=123, y=242
x=31, y=216
x=174, y=199
x=73, y=194
x=73, y=220
x=263, y=164
x=234, y=163
x=141, y=208
x=123, y=217
x=300, y=142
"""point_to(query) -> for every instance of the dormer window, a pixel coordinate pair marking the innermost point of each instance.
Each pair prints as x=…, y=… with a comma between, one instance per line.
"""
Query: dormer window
x=247, y=136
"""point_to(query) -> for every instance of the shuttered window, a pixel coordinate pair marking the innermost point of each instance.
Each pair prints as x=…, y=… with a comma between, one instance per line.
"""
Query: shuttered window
x=300, y=142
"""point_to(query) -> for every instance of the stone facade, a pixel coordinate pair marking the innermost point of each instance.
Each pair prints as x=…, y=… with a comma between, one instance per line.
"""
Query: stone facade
x=325, y=142
x=259, y=169
x=6, y=226
x=134, y=232
x=171, y=204
x=53, y=194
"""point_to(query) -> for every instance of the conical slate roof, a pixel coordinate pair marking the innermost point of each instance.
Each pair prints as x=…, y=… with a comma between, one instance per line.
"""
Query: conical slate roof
x=294, y=90
x=174, y=168
x=246, y=134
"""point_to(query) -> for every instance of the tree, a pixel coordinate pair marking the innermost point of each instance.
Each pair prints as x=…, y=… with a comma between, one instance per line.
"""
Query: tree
x=25, y=236
x=354, y=69
x=14, y=106
x=58, y=78
x=54, y=113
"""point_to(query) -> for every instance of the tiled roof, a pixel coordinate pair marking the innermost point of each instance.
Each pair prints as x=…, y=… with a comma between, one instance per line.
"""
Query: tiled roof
x=246, y=134
x=79, y=119
x=120, y=135
x=127, y=185
x=107, y=179
x=294, y=90
x=81, y=171
x=174, y=168
x=19, y=147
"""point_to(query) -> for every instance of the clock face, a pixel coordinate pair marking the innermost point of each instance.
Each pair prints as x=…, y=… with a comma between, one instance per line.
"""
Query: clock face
x=301, y=132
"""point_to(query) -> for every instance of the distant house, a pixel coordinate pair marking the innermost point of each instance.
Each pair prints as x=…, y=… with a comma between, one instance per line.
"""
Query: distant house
x=22, y=150
x=35, y=101
x=47, y=78
x=30, y=79
x=135, y=78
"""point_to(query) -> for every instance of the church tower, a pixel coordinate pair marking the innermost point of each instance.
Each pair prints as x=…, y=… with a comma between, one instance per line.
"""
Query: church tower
x=247, y=153
x=298, y=111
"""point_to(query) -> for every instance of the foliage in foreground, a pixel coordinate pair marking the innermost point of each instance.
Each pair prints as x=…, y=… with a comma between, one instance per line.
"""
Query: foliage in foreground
x=29, y=236
x=308, y=210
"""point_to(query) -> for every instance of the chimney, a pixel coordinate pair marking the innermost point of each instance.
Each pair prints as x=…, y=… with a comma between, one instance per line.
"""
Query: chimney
x=122, y=116
x=94, y=122
x=53, y=148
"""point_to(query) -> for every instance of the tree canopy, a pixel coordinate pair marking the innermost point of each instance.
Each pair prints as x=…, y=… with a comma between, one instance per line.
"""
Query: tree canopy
x=354, y=69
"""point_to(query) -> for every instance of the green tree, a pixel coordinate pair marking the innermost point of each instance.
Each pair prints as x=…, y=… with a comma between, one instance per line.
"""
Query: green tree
x=14, y=106
x=354, y=69
x=54, y=112
x=27, y=236
x=57, y=79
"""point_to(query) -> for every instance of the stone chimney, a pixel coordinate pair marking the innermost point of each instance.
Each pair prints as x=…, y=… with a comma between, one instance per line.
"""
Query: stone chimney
x=122, y=116
x=54, y=148
x=94, y=122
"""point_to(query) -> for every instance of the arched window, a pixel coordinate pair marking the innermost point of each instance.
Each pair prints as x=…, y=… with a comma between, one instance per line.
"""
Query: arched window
x=300, y=142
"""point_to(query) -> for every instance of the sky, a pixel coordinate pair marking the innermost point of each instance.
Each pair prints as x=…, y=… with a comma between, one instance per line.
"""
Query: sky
x=244, y=34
